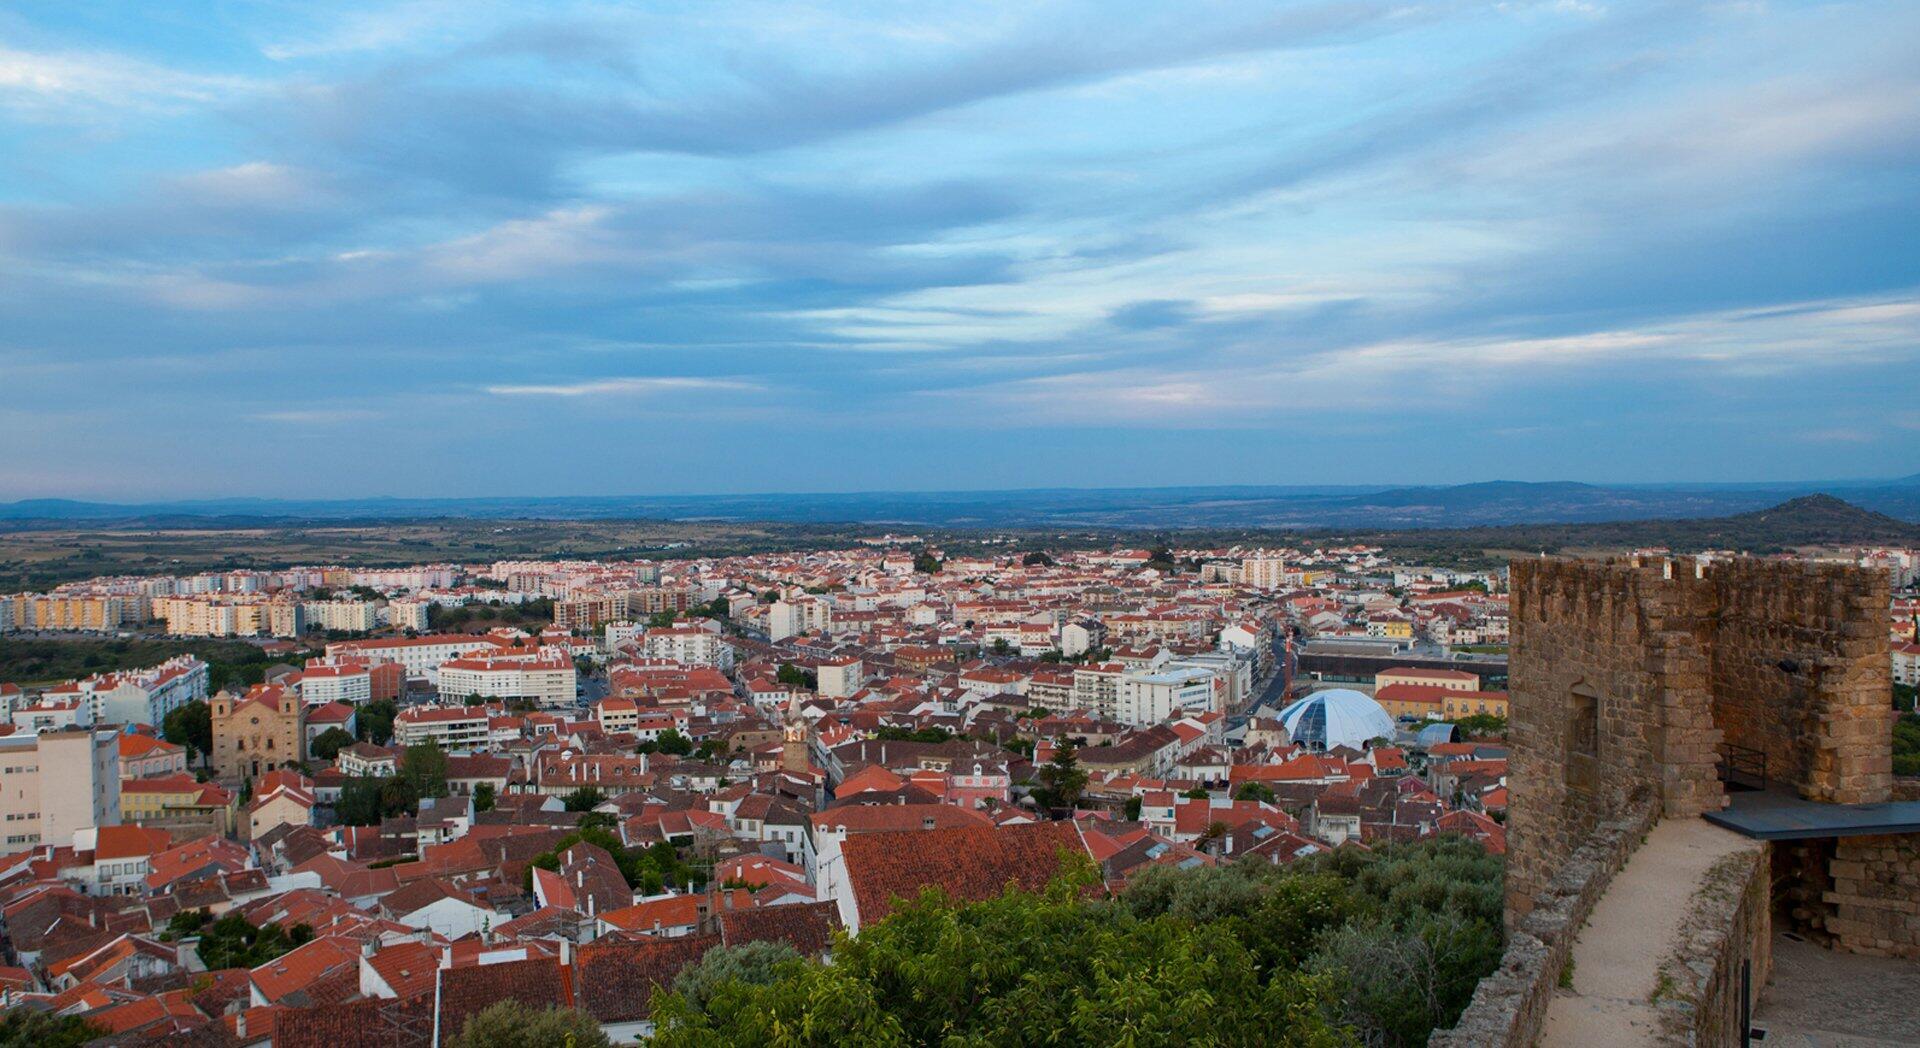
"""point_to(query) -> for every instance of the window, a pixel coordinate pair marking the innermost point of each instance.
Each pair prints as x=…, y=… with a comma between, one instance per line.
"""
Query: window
x=1583, y=721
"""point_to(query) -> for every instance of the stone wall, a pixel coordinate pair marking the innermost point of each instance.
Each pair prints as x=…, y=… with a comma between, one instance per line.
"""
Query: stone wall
x=1874, y=899
x=1728, y=925
x=1608, y=708
x=1510, y=1006
x=1801, y=672
x=1627, y=676
x=1801, y=873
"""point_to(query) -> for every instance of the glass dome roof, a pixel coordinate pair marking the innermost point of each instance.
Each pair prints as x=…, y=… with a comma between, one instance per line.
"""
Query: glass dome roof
x=1340, y=717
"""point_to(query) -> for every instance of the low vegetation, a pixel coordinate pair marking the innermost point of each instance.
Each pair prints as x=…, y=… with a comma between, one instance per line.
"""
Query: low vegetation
x=231, y=942
x=1906, y=744
x=511, y=1024
x=230, y=663
x=1354, y=947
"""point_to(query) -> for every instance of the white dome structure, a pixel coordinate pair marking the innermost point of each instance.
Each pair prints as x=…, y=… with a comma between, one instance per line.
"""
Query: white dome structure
x=1339, y=717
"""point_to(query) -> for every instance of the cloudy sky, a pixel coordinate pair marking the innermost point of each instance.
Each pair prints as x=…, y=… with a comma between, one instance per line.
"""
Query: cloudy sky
x=460, y=248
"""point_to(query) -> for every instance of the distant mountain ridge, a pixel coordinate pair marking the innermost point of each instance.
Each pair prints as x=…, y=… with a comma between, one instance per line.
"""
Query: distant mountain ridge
x=1806, y=521
x=1483, y=504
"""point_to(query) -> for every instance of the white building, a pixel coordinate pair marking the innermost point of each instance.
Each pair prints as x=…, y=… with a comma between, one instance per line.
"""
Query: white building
x=349, y=684
x=1906, y=663
x=344, y=616
x=57, y=784
x=143, y=696
x=689, y=646
x=1148, y=698
x=548, y=680
x=1264, y=572
x=839, y=678
x=458, y=729
x=408, y=614
x=47, y=713
x=421, y=656
x=791, y=618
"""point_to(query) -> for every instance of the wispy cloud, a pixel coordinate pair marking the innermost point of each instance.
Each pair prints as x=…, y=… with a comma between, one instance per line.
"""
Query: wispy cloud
x=623, y=387
x=55, y=84
x=870, y=239
x=316, y=416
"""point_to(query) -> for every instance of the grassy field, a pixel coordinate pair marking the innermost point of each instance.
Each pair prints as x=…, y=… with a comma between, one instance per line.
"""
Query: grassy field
x=33, y=559
x=36, y=661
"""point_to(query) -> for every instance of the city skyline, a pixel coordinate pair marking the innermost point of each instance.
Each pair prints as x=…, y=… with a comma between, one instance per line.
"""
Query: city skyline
x=441, y=250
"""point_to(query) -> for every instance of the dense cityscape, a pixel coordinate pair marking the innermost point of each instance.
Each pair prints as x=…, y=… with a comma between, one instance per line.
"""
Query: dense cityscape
x=466, y=783
x=819, y=523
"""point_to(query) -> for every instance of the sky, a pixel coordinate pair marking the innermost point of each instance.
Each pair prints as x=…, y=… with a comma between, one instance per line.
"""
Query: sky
x=464, y=248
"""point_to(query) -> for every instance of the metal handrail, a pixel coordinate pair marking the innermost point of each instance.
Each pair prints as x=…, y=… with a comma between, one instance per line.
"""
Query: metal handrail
x=1744, y=761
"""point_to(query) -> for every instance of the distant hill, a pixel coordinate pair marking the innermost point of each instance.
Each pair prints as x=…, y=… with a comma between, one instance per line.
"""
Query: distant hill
x=1490, y=503
x=1807, y=521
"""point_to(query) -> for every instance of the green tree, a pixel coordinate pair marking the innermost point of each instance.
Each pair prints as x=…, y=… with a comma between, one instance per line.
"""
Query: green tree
x=1482, y=726
x=1255, y=791
x=1906, y=744
x=373, y=721
x=31, y=1028
x=1062, y=780
x=231, y=942
x=926, y=563
x=424, y=769
x=795, y=677
x=1020, y=969
x=510, y=1024
x=586, y=798
x=1904, y=697
x=1131, y=809
x=1001, y=647
x=752, y=964
x=365, y=800
x=1197, y=793
x=1037, y=559
x=672, y=742
x=660, y=620
x=932, y=733
x=328, y=744
x=483, y=797
x=650, y=869
x=190, y=726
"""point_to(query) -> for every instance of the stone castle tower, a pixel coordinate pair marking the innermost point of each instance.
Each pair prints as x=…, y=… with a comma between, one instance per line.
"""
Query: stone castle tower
x=1631, y=679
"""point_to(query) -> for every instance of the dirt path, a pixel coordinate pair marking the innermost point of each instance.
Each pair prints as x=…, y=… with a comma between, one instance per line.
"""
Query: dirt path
x=1617, y=955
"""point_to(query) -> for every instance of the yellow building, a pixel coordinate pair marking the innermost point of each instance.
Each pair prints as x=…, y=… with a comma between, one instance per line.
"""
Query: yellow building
x=1419, y=701
x=257, y=734
x=174, y=798
x=1473, y=703
x=1451, y=680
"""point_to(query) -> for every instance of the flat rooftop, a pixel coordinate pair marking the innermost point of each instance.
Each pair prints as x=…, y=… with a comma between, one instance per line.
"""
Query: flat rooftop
x=1779, y=814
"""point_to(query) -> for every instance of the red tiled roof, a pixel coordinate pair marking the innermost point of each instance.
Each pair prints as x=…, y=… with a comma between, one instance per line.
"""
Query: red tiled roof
x=122, y=842
x=465, y=992
x=969, y=863
x=807, y=927
x=678, y=911
x=617, y=977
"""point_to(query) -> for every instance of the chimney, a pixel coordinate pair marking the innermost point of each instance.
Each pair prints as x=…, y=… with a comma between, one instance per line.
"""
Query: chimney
x=240, y=1024
x=566, y=952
